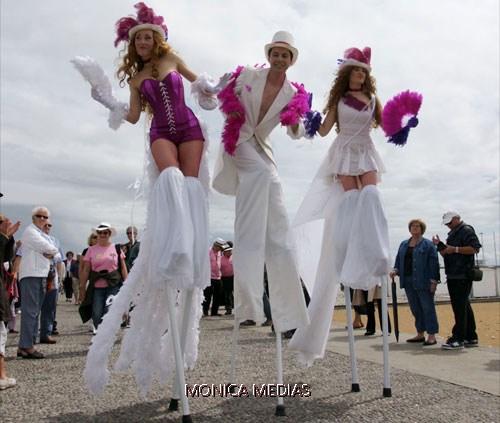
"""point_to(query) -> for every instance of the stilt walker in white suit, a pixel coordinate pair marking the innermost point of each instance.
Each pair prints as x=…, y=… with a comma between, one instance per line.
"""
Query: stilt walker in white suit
x=344, y=194
x=255, y=102
x=172, y=268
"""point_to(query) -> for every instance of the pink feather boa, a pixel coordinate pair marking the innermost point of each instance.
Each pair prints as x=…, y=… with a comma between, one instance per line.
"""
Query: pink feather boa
x=297, y=108
x=235, y=112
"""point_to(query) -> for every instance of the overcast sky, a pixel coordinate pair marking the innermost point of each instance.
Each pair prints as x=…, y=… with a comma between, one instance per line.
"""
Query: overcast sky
x=57, y=150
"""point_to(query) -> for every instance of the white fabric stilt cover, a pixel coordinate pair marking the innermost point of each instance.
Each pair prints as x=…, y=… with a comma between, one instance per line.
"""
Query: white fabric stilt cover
x=165, y=260
x=367, y=261
x=360, y=220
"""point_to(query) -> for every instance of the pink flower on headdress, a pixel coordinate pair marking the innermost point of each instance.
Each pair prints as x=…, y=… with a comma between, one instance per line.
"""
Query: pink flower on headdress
x=363, y=56
x=145, y=16
x=356, y=57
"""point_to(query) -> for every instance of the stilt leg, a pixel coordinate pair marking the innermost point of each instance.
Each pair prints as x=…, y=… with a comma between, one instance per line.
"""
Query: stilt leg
x=280, y=408
x=232, y=369
x=179, y=362
x=352, y=349
x=176, y=387
x=387, y=378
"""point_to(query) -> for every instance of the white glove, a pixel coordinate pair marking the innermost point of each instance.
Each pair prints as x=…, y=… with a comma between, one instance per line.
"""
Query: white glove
x=101, y=90
x=109, y=101
x=204, y=98
x=224, y=80
x=118, y=110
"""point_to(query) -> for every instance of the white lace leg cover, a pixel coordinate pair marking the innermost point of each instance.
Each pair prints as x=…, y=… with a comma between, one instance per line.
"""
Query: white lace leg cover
x=310, y=341
x=367, y=260
x=165, y=258
x=343, y=227
x=201, y=266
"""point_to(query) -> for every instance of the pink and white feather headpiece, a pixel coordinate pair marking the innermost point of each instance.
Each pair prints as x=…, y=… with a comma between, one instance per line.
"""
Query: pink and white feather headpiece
x=356, y=57
x=146, y=19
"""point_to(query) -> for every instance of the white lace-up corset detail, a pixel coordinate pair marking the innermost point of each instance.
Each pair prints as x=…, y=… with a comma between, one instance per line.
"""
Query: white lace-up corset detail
x=169, y=111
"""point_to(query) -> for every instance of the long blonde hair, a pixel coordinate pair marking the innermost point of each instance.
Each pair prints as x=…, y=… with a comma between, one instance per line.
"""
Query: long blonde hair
x=341, y=85
x=132, y=63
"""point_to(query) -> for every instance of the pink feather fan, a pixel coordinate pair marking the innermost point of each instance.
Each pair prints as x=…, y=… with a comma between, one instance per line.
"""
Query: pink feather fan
x=399, y=115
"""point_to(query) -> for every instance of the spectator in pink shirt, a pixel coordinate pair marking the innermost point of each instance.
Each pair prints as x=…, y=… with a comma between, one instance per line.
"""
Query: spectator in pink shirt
x=212, y=292
x=104, y=266
x=227, y=277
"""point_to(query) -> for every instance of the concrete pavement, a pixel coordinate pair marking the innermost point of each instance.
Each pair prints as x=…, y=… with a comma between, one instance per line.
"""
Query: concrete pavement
x=427, y=384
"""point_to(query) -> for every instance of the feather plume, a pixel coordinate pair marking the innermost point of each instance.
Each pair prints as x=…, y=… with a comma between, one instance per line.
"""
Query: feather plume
x=145, y=15
x=93, y=73
x=297, y=108
x=97, y=78
x=235, y=112
x=312, y=123
x=399, y=115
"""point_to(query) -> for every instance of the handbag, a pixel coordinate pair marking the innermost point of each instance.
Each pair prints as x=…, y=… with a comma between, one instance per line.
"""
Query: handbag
x=475, y=273
x=50, y=279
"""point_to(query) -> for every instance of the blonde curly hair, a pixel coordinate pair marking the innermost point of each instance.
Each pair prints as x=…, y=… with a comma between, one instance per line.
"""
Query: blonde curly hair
x=341, y=85
x=132, y=63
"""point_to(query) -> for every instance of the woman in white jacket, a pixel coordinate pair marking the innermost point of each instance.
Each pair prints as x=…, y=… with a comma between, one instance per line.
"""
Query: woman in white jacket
x=33, y=271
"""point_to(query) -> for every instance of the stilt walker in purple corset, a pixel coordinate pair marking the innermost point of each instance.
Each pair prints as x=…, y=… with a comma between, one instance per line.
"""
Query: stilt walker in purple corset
x=172, y=266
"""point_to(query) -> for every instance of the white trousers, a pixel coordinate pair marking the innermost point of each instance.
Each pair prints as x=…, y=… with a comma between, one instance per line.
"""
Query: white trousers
x=263, y=236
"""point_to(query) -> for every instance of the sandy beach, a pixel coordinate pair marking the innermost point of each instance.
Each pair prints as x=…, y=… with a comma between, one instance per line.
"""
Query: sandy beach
x=487, y=314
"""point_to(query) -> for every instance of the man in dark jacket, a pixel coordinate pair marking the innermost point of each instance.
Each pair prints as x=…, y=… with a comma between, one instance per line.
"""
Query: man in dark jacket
x=458, y=253
x=7, y=231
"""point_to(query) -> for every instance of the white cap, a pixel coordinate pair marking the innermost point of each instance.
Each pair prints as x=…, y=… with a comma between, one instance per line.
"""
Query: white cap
x=449, y=215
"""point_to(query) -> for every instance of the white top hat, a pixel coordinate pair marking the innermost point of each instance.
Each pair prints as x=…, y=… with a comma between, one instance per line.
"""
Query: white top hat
x=285, y=40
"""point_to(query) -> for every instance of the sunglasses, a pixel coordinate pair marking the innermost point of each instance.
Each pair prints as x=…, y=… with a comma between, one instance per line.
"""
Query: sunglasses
x=41, y=216
x=103, y=233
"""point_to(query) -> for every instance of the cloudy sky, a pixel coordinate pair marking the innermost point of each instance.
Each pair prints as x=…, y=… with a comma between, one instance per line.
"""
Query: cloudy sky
x=57, y=150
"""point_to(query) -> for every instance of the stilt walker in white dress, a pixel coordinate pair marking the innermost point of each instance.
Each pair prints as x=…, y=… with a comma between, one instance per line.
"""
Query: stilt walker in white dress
x=255, y=102
x=172, y=268
x=344, y=194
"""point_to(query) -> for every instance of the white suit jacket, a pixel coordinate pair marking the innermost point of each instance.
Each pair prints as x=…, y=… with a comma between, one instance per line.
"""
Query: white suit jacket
x=249, y=88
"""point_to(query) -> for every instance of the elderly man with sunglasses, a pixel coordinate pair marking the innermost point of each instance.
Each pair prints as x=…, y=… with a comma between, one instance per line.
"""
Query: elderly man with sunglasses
x=33, y=271
x=48, y=312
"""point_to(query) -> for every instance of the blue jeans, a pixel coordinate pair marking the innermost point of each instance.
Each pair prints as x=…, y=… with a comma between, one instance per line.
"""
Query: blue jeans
x=99, y=307
x=32, y=294
x=48, y=314
x=423, y=308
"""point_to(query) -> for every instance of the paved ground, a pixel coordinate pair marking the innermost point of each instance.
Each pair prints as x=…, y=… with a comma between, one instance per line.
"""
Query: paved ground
x=430, y=385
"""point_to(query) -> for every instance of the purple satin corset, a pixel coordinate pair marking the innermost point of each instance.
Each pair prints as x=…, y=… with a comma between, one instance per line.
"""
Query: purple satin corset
x=172, y=119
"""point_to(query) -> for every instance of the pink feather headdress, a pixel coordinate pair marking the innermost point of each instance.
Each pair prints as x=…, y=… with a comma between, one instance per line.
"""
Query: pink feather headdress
x=399, y=115
x=146, y=19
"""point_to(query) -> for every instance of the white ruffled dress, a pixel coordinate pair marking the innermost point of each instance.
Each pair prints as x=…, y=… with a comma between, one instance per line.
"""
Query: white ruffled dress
x=351, y=153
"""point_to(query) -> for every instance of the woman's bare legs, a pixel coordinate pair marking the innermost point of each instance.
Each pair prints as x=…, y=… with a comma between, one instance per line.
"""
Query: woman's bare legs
x=165, y=154
x=350, y=182
x=190, y=154
x=186, y=156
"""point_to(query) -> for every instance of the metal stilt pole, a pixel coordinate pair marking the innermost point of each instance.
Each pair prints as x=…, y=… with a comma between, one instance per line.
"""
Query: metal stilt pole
x=179, y=362
x=176, y=387
x=387, y=378
x=352, y=349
